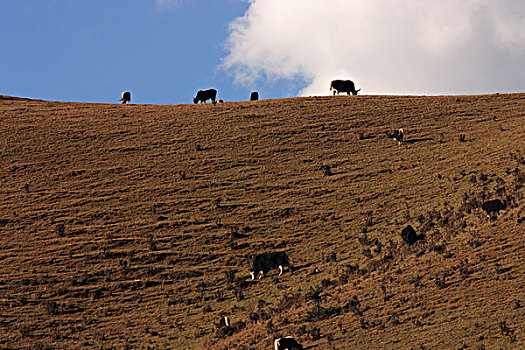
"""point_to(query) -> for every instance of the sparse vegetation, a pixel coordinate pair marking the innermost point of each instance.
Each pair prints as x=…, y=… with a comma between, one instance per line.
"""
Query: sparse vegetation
x=141, y=230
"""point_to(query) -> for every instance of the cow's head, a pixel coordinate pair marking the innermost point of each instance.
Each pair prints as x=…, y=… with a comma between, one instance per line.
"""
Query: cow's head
x=355, y=92
x=195, y=100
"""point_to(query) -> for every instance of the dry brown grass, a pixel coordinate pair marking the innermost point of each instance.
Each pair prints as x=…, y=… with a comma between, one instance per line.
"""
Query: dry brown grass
x=133, y=226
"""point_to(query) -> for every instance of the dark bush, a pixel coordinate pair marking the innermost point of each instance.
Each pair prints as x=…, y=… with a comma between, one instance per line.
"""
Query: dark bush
x=60, y=230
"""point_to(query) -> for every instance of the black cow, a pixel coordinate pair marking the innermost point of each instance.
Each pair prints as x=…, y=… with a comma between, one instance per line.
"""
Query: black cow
x=493, y=207
x=125, y=97
x=409, y=235
x=343, y=86
x=254, y=96
x=287, y=343
x=264, y=262
x=205, y=95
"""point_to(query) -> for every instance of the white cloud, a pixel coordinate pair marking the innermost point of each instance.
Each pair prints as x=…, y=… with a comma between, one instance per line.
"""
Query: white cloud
x=395, y=46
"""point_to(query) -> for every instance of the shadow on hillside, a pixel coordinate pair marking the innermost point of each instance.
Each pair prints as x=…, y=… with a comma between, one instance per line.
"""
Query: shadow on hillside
x=300, y=267
x=337, y=173
x=418, y=140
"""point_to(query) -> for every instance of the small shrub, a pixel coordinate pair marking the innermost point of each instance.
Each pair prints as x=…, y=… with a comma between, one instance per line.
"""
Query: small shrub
x=315, y=295
x=343, y=277
x=315, y=333
x=151, y=242
x=230, y=278
x=369, y=218
x=60, y=230
x=270, y=327
x=326, y=170
x=25, y=331
x=51, y=307
x=301, y=331
x=239, y=295
x=507, y=331
x=219, y=296
x=288, y=300
x=440, y=282
x=206, y=309
x=326, y=283
x=353, y=305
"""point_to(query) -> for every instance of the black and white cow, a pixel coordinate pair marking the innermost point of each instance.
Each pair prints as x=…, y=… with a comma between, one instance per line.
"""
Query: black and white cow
x=125, y=97
x=254, y=96
x=264, y=262
x=287, y=343
x=205, y=95
x=398, y=135
x=343, y=86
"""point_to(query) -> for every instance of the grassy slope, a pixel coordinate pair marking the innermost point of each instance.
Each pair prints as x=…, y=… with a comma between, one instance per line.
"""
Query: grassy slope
x=149, y=200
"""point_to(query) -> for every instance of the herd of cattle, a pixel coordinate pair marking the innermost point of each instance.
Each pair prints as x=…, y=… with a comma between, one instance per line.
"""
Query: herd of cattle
x=337, y=86
x=264, y=262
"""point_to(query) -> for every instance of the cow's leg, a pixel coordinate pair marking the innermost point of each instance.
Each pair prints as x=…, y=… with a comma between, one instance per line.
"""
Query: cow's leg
x=252, y=273
x=261, y=274
x=280, y=270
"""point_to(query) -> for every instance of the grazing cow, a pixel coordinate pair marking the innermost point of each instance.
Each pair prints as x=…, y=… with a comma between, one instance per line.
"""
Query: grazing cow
x=343, y=86
x=493, y=207
x=287, y=343
x=264, y=262
x=125, y=97
x=254, y=96
x=398, y=135
x=205, y=95
x=409, y=235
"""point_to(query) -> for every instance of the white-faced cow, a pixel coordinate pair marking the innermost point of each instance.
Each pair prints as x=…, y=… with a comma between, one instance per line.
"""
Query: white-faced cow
x=254, y=96
x=287, y=343
x=125, y=97
x=343, y=86
x=264, y=262
x=398, y=135
x=205, y=95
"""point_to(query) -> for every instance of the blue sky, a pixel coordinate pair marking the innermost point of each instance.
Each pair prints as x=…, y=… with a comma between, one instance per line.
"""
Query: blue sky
x=80, y=50
x=163, y=51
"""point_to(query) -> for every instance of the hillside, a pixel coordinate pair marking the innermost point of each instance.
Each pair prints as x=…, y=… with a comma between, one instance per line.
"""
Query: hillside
x=134, y=226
